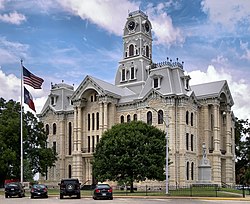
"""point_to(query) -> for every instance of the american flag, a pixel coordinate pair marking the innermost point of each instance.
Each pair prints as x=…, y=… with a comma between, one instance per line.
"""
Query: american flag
x=31, y=79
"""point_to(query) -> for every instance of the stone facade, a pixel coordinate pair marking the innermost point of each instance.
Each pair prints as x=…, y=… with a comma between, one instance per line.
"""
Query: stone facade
x=147, y=91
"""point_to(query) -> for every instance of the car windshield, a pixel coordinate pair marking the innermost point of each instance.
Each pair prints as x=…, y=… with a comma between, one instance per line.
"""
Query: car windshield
x=12, y=184
x=103, y=186
x=39, y=186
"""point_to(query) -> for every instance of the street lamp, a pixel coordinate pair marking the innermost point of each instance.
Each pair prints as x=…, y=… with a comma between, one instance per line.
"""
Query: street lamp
x=167, y=126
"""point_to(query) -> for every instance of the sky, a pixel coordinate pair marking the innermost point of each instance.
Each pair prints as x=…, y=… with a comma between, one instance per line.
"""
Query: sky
x=65, y=40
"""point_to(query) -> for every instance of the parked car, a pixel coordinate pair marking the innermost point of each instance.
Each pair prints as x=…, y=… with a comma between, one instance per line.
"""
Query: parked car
x=14, y=189
x=69, y=187
x=39, y=190
x=103, y=191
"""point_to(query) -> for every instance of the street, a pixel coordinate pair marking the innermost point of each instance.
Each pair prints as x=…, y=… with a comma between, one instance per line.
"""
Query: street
x=56, y=200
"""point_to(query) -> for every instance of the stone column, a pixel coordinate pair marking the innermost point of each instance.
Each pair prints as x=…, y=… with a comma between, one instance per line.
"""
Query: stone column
x=75, y=130
x=206, y=138
x=101, y=118
x=216, y=128
x=216, y=154
x=79, y=129
x=77, y=154
x=105, y=122
x=229, y=153
x=62, y=148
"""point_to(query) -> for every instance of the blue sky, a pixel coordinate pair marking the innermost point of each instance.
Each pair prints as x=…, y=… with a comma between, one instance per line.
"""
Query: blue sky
x=69, y=39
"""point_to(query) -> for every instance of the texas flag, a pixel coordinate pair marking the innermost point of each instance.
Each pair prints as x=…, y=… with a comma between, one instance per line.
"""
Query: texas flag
x=28, y=99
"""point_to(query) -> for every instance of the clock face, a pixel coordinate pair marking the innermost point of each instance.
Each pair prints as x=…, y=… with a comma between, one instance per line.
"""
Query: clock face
x=146, y=26
x=131, y=25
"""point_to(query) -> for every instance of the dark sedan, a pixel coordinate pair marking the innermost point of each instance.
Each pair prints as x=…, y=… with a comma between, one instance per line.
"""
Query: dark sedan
x=39, y=190
x=103, y=191
x=14, y=189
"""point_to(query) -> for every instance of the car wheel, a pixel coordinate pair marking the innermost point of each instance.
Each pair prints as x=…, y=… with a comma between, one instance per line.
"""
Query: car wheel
x=94, y=198
x=111, y=198
x=61, y=196
x=6, y=196
x=31, y=196
x=20, y=195
x=79, y=195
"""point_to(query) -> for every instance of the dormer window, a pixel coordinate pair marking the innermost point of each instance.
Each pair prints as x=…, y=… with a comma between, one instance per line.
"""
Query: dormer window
x=186, y=82
x=156, y=83
x=53, y=100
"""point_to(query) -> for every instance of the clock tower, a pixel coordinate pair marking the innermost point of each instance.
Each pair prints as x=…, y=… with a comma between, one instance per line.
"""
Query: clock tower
x=133, y=69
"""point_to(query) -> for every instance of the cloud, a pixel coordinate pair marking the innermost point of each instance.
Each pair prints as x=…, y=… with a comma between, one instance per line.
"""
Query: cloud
x=1, y=4
x=163, y=28
x=239, y=89
x=244, y=47
x=11, y=52
x=228, y=13
x=108, y=15
x=13, y=18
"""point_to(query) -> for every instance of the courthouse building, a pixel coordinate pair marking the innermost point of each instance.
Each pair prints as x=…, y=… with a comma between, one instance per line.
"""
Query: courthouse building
x=143, y=90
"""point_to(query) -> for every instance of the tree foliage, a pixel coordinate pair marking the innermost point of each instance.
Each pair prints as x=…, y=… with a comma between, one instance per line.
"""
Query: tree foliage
x=37, y=157
x=130, y=152
x=242, y=151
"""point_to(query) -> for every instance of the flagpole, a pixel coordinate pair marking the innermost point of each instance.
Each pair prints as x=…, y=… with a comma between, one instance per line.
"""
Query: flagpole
x=21, y=179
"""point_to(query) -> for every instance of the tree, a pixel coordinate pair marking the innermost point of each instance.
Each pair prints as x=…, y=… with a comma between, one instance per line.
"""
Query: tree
x=242, y=150
x=130, y=152
x=35, y=151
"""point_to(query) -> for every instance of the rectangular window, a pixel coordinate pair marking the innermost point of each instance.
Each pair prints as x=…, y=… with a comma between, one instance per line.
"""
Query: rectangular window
x=93, y=121
x=123, y=75
x=97, y=139
x=132, y=73
x=187, y=142
x=97, y=121
x=88, y=143
x=88, y=122
x=93, y=143
x=54, y=146
x=192, y=142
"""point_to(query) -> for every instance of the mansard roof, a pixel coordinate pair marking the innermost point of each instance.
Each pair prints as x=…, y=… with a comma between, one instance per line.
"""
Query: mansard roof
x=61, y=101
x=213, y=90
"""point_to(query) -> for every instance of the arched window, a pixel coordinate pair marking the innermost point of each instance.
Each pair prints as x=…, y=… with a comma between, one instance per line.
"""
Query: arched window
x=88, y=122
x=47, y=129
x=97, y=121
x=122, y=119
x=70, y=171
x=135, y=117
x=128, y=118
x=187, y=115
x=192, y=119
x=70, y=138
x=149, y=117
x=160, y=117
x=131, y=50
x=192, y=171
x=54, y=128
x=187, y=170
x=93, y=121
x=147, y=51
